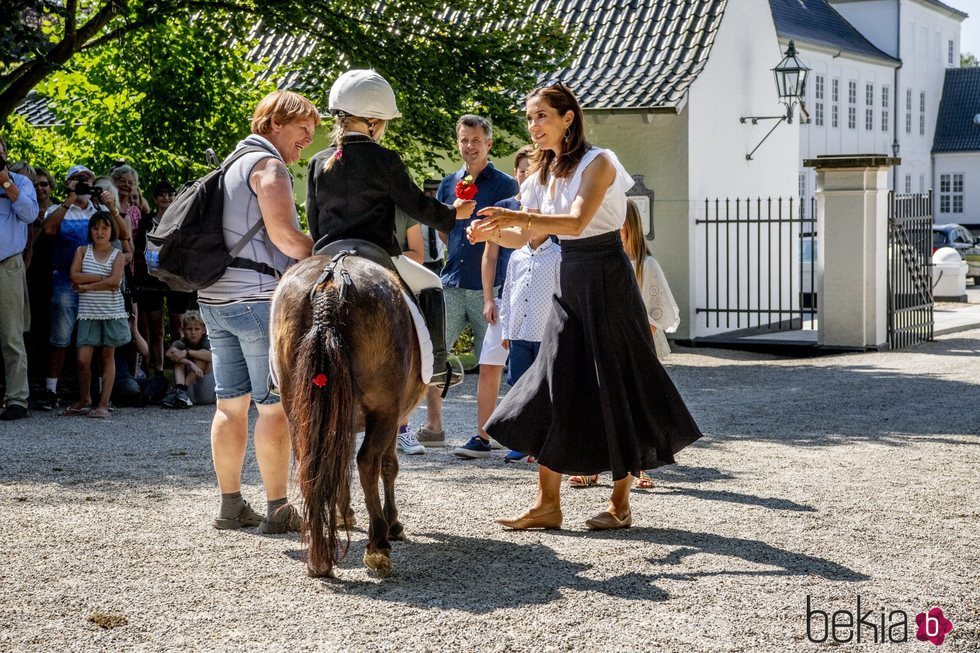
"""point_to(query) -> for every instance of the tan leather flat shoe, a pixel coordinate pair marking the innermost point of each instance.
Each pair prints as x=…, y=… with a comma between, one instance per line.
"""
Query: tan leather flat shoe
x=606, y=520
x=524, y=522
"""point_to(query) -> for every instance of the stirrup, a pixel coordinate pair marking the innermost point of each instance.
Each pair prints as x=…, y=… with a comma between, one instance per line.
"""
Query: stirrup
x=453, y=372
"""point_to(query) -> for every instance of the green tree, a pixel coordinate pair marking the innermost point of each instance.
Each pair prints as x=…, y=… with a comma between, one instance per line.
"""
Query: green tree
x=969, y=60
x=159, y=99
x=444, y=58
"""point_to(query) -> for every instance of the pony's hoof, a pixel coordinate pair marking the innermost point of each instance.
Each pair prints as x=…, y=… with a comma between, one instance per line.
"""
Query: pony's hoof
x=320, y=573
x=379, y=562
x=396, y=532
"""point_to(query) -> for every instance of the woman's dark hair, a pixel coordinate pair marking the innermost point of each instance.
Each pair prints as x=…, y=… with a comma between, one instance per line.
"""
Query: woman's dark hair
x=101, y=216
x=560, y=98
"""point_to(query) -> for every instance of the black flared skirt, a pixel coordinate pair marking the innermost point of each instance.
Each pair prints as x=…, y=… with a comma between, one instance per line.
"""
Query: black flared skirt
x=596, y=398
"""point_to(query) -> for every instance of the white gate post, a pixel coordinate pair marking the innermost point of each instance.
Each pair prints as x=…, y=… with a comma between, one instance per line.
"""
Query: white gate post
x=852, y=250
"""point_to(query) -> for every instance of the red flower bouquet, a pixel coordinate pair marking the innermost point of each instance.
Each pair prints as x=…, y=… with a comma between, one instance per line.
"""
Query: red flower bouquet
x=465, y=188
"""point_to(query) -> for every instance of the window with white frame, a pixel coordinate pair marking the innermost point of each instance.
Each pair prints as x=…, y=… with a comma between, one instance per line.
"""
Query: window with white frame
x=951, y=193
x=818, y=86
x=950, y=52
x=802, y=184
x=908, y=184
x=922, y=183
x=885, y=101
x=852, y=93
x=922, y=114
x=908, y=111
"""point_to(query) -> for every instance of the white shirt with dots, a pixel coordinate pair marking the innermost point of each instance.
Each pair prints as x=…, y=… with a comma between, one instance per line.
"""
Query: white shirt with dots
x=532, y=280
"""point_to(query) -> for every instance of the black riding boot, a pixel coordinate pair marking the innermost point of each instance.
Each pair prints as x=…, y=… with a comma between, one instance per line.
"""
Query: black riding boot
x=433, y=306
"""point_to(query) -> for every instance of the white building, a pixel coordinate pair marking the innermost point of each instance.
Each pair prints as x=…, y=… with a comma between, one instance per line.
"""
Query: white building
x=925, y=36
x=851, y=90
x=956, y=150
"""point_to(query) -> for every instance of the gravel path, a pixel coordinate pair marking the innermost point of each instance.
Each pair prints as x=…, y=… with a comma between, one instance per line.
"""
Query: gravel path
x=829, y=478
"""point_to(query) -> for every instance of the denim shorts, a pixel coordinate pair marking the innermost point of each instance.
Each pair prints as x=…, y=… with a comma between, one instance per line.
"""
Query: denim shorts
x=239, y=336
x=64, y=314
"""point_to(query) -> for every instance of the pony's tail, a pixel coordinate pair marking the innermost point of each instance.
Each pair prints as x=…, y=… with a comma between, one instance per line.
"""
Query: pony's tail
x=324, y=438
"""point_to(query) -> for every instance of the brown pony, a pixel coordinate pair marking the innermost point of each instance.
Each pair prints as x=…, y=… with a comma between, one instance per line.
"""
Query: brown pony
x=347, y=360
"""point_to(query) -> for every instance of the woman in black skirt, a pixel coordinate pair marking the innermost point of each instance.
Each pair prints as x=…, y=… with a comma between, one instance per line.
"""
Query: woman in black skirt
x=596, y=398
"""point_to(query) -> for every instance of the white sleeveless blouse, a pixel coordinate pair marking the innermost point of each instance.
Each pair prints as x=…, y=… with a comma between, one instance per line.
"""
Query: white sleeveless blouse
x=556, y=197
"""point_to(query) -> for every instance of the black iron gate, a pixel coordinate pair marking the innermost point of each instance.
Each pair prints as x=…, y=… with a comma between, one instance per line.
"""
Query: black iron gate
x=910, y=319
x=758, y=264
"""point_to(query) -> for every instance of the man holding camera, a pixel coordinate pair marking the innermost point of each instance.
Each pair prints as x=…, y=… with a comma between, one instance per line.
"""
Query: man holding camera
x=18, y=209
x=68, y=223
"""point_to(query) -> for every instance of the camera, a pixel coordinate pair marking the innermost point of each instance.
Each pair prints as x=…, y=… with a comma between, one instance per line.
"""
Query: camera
x=83, y=188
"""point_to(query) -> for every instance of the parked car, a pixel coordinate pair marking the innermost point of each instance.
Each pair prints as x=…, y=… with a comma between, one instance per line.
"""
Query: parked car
x=959, y=238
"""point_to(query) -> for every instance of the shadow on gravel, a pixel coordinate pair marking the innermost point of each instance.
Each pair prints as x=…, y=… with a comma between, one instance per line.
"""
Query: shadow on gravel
x=808, y=405
x=773, y=503
x=478, y=575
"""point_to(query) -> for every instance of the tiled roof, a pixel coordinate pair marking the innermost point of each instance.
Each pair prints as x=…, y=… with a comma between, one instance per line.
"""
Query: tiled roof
x=35, y=109
x=278, y=52
x=956, y=130
x=817, y=23
x=638, y=54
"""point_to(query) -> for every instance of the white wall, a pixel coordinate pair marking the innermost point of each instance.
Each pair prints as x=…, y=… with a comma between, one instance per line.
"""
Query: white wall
x=967, y=163
x=655, y=146
x=875, y=19
x=737, y=81
x=923, y=34
x=819, y=139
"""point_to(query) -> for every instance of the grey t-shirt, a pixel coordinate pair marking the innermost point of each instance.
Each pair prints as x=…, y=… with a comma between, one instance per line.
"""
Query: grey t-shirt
x=402, y=224
x=240, y=213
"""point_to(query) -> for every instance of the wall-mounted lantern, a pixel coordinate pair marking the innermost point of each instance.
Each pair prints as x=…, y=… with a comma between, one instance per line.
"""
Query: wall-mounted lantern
x=791, y=75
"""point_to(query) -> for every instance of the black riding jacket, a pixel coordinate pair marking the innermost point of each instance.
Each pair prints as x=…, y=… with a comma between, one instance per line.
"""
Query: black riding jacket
x=357, y=196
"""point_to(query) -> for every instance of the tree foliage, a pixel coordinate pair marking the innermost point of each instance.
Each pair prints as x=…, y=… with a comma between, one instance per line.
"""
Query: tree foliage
x=969, y=60
x=154, y=81
x=158, y=99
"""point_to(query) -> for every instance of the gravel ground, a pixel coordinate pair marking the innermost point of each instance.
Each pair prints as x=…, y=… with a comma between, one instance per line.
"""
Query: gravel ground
x=825, y=478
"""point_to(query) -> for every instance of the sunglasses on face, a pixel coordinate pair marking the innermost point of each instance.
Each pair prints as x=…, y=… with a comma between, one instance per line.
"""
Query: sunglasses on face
x=41, y=184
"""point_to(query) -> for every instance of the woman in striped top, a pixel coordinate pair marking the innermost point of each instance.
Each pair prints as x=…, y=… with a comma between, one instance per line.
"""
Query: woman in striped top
x=96, y=273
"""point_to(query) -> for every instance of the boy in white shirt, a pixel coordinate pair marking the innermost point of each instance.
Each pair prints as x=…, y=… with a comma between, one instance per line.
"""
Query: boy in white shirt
x=532, y=280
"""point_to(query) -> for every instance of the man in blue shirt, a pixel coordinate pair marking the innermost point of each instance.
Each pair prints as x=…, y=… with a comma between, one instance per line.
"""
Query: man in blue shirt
x=462, y=276
x=18, y=209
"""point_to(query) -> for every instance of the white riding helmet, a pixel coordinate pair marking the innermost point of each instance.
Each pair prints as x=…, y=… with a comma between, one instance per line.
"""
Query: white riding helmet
x=363, y=93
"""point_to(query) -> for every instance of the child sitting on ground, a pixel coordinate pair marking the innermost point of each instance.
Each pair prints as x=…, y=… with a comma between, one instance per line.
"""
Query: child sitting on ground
x=96, y=273
x=191, y=356
x=532, y=280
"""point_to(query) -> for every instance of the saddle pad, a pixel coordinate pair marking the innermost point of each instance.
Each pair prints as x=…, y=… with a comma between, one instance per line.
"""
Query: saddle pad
x=425, y=342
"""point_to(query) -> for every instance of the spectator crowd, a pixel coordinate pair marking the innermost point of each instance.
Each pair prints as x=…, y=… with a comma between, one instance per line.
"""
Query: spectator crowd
x=80, y=316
